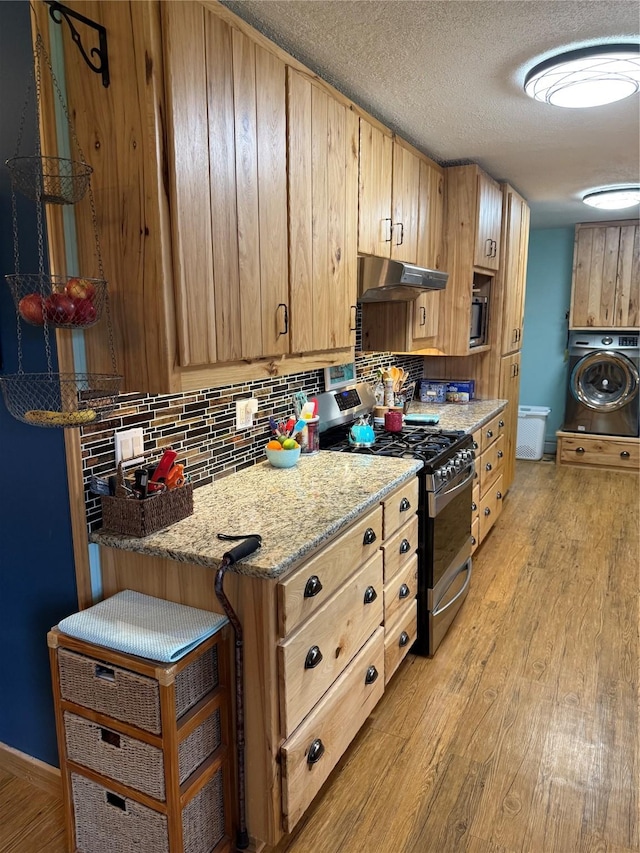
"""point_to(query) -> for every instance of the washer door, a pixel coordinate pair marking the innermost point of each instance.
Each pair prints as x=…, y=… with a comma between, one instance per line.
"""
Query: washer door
x=604, y=381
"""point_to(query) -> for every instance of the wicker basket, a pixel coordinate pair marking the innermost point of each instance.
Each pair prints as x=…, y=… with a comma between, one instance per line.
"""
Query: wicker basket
x=52, y=180
x=61, y=301
x=134, y=517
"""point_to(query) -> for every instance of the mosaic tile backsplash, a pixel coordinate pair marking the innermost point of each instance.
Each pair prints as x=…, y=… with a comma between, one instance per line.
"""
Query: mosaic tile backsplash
x=200, y=425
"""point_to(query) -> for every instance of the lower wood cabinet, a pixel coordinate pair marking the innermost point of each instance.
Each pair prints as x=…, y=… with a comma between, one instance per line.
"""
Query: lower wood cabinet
x=489, y=446
x=598, y=451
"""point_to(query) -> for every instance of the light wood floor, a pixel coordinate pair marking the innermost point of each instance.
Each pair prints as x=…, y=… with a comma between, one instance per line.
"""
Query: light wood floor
x=522, y=734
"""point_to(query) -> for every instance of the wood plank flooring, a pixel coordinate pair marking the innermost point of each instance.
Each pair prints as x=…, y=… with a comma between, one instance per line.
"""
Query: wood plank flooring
x=522, y=734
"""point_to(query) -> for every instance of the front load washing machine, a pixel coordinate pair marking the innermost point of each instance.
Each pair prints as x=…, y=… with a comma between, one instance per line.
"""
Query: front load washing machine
x=603, y=395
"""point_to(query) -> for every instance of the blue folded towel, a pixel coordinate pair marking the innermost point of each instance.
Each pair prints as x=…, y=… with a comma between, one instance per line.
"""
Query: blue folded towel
x=142, y=625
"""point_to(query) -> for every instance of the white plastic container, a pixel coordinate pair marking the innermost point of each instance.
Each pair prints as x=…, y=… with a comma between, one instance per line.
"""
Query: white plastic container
x=531, y=427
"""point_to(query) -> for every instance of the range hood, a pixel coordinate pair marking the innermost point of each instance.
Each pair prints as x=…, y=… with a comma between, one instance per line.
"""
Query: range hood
x=383, y=280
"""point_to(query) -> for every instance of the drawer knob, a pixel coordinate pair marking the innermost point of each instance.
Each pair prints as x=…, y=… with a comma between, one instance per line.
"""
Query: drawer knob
x=316, y=751
x=369, y=536
x=579, y=449
x=372, y=674
x=487, y=511
x=501, y=424
x=624, y=454
x=488, y=466
x=489, y=433
x=370, y=595
x=313, y=658
x=500, y=454
x=312, y=587
x=475, y=445
x=405, y=546
x=404, y=591
x=404, y=639
x=474, y=506
x=499, y=495
x=404, y=505
x=473, y=540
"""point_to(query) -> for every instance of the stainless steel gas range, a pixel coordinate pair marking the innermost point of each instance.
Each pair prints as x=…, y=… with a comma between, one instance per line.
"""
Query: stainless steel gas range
x=444, y=513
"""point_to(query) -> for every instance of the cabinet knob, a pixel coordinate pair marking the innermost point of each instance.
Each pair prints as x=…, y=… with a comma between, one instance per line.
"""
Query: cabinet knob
x=404, y=505
x=423, y=316
x=489, y=433
x=286, y=319
x=499, y=495
x=405, y=546
x=500, y=454
x=388, y=229
x=579, y=449
x=370, y=595
x=501, y=424
x=488, y=247
x=488, y=466
x=400, y=240
x=369, y=536
x=404, y=591
x=313, y=658
x=312, y=587
x=474, y=506
x=473, y=540
x=404, y=639
x=487, y=511
x=316, y=751
x=354, y=323
x=372, y=674
x=624, y=454
x=475, y=445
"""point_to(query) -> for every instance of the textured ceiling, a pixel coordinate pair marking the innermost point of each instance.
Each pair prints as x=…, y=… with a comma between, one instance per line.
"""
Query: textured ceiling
x=447, y=75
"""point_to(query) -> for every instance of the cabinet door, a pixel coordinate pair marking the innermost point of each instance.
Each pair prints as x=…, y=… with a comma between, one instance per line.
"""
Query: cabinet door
x=489, y=220
x=509, y=390
x=323, y=217
x=595, y=270
x=516, y=236
x=406, y=184
x=627, y=303
x=426, y=307
x=227, y=146
x=376, y=165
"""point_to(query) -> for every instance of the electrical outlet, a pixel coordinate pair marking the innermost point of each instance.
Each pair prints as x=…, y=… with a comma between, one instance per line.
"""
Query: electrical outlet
x=129, y=445
x=245, y=410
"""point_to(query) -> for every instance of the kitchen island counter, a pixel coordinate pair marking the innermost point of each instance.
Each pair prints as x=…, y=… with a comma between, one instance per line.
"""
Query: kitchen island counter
x=465, y=416
x=295, y=510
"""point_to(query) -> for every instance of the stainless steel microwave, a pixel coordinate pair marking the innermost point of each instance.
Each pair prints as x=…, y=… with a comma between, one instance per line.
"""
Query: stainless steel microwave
x=479, y=321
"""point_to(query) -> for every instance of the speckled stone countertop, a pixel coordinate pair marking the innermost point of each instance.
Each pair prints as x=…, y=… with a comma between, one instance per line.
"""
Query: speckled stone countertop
x=466, y=416
x=295, y=510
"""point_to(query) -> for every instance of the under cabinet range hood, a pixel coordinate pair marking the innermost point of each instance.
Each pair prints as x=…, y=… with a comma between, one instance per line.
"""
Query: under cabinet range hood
x=383, y=280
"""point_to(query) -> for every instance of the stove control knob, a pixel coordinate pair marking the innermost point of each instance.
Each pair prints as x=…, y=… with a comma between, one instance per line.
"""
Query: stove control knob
x=451, y=470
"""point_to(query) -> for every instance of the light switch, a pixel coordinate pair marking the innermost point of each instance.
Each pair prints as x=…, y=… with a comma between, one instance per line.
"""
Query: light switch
x=129, y=446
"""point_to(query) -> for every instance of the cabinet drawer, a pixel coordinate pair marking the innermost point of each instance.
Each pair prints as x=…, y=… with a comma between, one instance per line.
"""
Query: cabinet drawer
x=491, y=431
x=401, y=590
x=330, y=728
x=490, y=464
x=599, y=452
x=399, y=548
x=312, y=658
x=399, y=506
x=475, y=534
x=305, y=590
x=398, y=639
x=490, y=508
x=476, y=439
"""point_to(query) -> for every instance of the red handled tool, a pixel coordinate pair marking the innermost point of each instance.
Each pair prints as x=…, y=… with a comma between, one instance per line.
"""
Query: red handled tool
x=160, y=474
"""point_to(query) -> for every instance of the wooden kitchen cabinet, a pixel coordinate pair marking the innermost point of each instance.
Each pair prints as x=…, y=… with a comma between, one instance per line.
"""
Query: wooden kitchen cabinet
x=510, y=390
x=605, y=289
x=488, y=221
x=600, y=452
x=513, y=270
x=489, y=445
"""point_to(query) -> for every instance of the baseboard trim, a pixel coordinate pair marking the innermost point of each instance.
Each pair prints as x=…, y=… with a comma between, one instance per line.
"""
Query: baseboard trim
x=31, y=769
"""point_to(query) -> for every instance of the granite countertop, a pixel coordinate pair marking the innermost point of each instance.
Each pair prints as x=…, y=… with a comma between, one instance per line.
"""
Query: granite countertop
x=467, y=416
x=295, y=510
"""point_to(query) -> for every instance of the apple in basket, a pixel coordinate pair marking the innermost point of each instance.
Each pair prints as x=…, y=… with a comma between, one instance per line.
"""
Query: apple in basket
x=31, y=309
x=59, y=309
x=80, y=288
x=84, y=311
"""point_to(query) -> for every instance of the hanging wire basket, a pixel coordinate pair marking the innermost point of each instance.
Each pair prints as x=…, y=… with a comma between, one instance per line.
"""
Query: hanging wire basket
x=60, y=399
x=64, y=302
x=52, y=180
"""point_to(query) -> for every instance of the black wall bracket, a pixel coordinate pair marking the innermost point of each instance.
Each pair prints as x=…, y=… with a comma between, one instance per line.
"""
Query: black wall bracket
x=98, y=58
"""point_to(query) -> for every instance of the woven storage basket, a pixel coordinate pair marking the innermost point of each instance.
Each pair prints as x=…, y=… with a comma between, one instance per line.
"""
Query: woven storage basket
x=127, y=696
x=133, y=517
x=203, y=818
x=134, y=762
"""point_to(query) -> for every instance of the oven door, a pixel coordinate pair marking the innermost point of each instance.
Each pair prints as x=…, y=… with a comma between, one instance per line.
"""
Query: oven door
x=448, y=603
x=449, y=527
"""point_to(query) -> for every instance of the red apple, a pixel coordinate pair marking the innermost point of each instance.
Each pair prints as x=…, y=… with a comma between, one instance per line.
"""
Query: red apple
x=31, y=309
x=84, y=313
x=59, y=309
x=80, y=288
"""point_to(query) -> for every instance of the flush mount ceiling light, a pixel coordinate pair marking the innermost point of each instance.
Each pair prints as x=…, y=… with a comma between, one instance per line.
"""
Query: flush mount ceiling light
x=615, y=198
x=587, y=77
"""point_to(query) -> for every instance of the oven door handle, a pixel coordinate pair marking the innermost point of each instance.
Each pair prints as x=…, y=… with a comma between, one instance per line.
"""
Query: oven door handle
x=439, y=500
x=463, y=590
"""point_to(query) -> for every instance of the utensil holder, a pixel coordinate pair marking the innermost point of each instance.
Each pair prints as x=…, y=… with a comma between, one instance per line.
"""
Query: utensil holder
x=140, y=517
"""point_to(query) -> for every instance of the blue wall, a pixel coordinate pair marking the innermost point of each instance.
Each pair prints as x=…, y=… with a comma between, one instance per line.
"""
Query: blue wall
x=543, y=371
x=37, y=577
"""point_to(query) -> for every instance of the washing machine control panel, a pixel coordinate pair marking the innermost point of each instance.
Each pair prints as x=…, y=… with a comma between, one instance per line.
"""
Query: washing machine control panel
x=607, y=341
x=627, y=341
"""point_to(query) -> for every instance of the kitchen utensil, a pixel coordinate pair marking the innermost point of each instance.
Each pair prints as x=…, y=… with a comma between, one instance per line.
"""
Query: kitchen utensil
x=418, y=418
x=310, y=437
x=175, y=477
x=307, y=410
x=362, y=434
x=393, y=420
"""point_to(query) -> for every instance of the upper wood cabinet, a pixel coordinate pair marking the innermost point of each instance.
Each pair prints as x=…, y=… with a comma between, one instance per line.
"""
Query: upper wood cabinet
x=489, y=220
x=606, y=276
x=513, y=269
x=405, y=199
x=322, y=144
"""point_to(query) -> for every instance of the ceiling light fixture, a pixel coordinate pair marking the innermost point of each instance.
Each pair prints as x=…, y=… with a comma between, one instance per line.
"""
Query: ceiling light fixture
x=614, y=198
x=587, y=77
